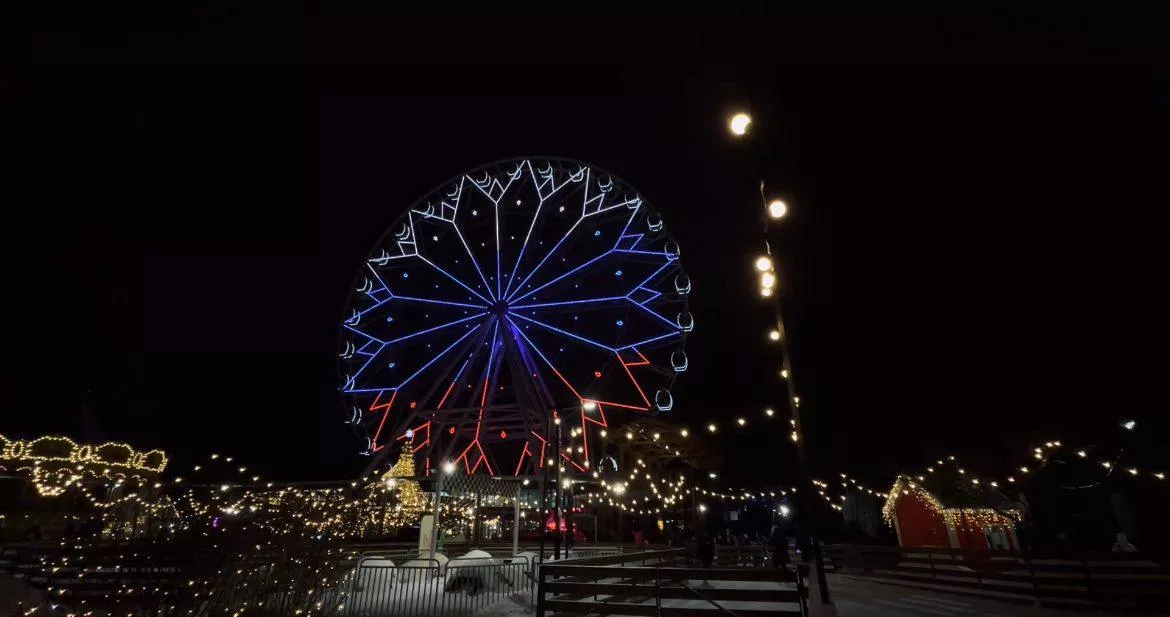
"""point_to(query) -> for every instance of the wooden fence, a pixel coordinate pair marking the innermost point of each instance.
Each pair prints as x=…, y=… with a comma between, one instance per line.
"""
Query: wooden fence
x=652, y=584
x=1126, y=581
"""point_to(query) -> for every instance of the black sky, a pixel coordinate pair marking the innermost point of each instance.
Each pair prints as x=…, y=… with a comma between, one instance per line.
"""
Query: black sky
x=977, y=254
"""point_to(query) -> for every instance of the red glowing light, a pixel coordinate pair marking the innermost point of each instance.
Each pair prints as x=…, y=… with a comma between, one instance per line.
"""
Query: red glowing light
x=413, y=404
x=451, y=430
x=503, y=434
x=597, y=373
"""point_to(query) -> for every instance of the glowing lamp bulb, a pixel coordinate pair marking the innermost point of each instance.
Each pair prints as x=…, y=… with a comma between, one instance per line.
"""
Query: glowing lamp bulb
x=763, y=263
x=767, y=280
x=449, y=468
x=741, y=421
x=766, y=292
x=739, y=124
x=1129, y=425
x=774, y=335
x=777, y=208
x=589, y=405
x=711, y=427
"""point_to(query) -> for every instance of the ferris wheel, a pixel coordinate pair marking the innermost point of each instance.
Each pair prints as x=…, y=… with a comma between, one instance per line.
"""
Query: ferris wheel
x=514, y=291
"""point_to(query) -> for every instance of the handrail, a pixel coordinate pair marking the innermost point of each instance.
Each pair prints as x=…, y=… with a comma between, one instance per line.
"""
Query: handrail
x=709, y=600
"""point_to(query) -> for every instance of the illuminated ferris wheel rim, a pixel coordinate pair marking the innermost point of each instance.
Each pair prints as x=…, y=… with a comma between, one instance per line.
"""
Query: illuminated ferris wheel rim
x=499, y=303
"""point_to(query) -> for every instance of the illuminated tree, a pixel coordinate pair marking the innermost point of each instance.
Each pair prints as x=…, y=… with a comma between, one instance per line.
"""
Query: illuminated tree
x=411, y=502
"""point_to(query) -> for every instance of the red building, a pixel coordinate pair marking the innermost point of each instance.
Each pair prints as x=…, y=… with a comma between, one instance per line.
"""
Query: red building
x=922, y=519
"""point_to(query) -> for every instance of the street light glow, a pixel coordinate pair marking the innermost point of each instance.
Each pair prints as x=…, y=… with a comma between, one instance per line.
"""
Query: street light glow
x=739, y=124
x=767, y=280
x=777, y=208
x=589, y=405
x=763, y=263
x=774, y=335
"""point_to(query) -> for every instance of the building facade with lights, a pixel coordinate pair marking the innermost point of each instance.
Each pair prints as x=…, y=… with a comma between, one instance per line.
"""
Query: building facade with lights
x=922, y=519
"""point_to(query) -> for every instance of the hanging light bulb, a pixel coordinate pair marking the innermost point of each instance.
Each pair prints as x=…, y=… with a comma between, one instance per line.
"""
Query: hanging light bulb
x=777, y=208
x=763, y=263
x=739, y=123
x=774, y=335
x=767, y=280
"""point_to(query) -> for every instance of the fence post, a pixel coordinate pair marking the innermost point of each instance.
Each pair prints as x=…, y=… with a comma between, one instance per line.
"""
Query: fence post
x=820, y=563
x=1032, y=577
x=540, y=573
x=657, y=592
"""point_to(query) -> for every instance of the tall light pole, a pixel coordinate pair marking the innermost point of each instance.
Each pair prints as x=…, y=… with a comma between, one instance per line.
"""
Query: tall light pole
x=774, y=209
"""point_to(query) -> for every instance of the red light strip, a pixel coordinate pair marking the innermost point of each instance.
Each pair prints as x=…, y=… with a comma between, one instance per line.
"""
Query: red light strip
x=520, y=463
x=376, y=406
x=636, y=384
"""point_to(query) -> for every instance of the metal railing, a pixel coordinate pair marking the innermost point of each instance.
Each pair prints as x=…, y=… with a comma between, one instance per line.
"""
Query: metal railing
x=424, y=586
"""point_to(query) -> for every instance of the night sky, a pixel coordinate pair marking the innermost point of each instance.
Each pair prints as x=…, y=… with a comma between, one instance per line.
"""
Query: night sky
x=976, y=256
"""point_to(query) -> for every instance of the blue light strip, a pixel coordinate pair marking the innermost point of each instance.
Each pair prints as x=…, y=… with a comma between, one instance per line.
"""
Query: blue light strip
x=447, y=302
x=634, y=252
x=566, y=302
x=474, y=263
x=356, y=331
x=673, y=326
x=564, y=332
x=627, y=228
x=439, y=327
x=485, y=300
x=529, y=293
x=353, y=378
x=530, y=343
x=523, y=247
x=469, y=332
x=649, y=340
x=499, y=291
x=550, y=253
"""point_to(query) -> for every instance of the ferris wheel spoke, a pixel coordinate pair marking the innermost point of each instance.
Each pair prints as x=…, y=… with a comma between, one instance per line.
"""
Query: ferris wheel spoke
x=457, y=281
x=437, y=357
x=433, y=301
x=570, y=302
x=562, y=277
x=523, y=248
x=544, y=259
x=433, y=329
x=565, y=333
x=475, y=263
x=517, y=330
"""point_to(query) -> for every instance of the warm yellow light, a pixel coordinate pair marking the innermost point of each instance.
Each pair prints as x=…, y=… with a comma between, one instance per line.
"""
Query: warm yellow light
x=774, y=335
x=630, y=436
x=449, y=467
x=766, y=292
x=739, y=124
x=711, y=427
x=763, y=263
x=768, y=412
x=784, y=373
x=777, y=208
x=795, y=438
x=741, y=421
x=1081, y=453
x=684, y=432
x=603, y=433
x=590, y=405
x=767, y=280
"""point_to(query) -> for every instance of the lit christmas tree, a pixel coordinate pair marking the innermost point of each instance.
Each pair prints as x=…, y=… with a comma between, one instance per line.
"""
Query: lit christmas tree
x=411, y=501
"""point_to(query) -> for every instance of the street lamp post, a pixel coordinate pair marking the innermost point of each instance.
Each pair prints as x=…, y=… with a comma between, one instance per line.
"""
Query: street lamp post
x=775, y=209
